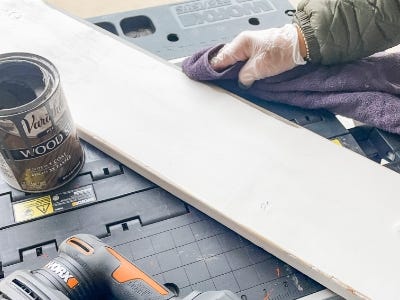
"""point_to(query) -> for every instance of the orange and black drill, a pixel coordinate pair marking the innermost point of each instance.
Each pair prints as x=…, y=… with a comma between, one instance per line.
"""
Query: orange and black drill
x=86, y=268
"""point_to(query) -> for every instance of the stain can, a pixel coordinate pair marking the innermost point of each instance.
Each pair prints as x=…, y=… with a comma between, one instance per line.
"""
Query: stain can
x=39, y=146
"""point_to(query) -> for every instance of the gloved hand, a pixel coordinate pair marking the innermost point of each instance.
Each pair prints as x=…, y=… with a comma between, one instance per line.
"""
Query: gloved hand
x=268, y=52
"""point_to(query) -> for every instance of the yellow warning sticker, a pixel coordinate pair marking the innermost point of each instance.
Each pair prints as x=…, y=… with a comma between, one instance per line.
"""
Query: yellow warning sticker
x=337, y=142
x=33, y=208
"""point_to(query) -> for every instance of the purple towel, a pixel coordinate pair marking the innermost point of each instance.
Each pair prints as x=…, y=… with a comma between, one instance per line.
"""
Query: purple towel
x=367, y=90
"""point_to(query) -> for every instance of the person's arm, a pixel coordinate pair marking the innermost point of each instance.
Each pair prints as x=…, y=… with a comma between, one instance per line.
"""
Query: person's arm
x=338, y=31
x=323, y=31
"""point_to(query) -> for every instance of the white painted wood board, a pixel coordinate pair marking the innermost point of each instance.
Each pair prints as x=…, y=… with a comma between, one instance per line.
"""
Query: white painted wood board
x=327, y=211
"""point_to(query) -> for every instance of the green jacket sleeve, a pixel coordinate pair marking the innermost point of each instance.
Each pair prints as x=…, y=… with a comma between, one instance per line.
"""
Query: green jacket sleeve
x=343, y=30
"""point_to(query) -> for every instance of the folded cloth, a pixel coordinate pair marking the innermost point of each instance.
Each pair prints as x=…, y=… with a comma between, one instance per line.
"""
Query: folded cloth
x=367, y=90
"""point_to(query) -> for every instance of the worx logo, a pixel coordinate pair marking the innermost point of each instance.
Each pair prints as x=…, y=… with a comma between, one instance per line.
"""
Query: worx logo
x=203, y=12
x=63, y=273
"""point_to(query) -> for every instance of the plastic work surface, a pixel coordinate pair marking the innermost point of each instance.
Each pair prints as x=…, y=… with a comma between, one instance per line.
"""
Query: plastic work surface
x=244, y=167
x=166, y=238
x=180, y=29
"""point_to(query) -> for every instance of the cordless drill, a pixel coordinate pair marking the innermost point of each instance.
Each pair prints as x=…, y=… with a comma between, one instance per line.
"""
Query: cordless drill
x=87, y=268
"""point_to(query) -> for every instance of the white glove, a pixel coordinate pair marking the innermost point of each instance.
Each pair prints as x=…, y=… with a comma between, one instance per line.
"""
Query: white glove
x=267, y=52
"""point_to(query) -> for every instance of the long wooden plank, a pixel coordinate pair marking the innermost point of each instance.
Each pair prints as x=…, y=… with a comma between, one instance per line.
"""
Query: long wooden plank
x=323, y=209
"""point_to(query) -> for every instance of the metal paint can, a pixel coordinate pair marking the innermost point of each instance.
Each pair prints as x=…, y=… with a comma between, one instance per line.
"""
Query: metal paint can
x=39, y=146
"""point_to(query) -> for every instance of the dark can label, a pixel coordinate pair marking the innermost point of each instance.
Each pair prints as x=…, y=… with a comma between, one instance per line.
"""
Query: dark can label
x=39, y=147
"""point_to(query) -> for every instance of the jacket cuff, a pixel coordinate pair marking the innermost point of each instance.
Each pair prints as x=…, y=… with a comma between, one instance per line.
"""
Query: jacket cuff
x=303, y=21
